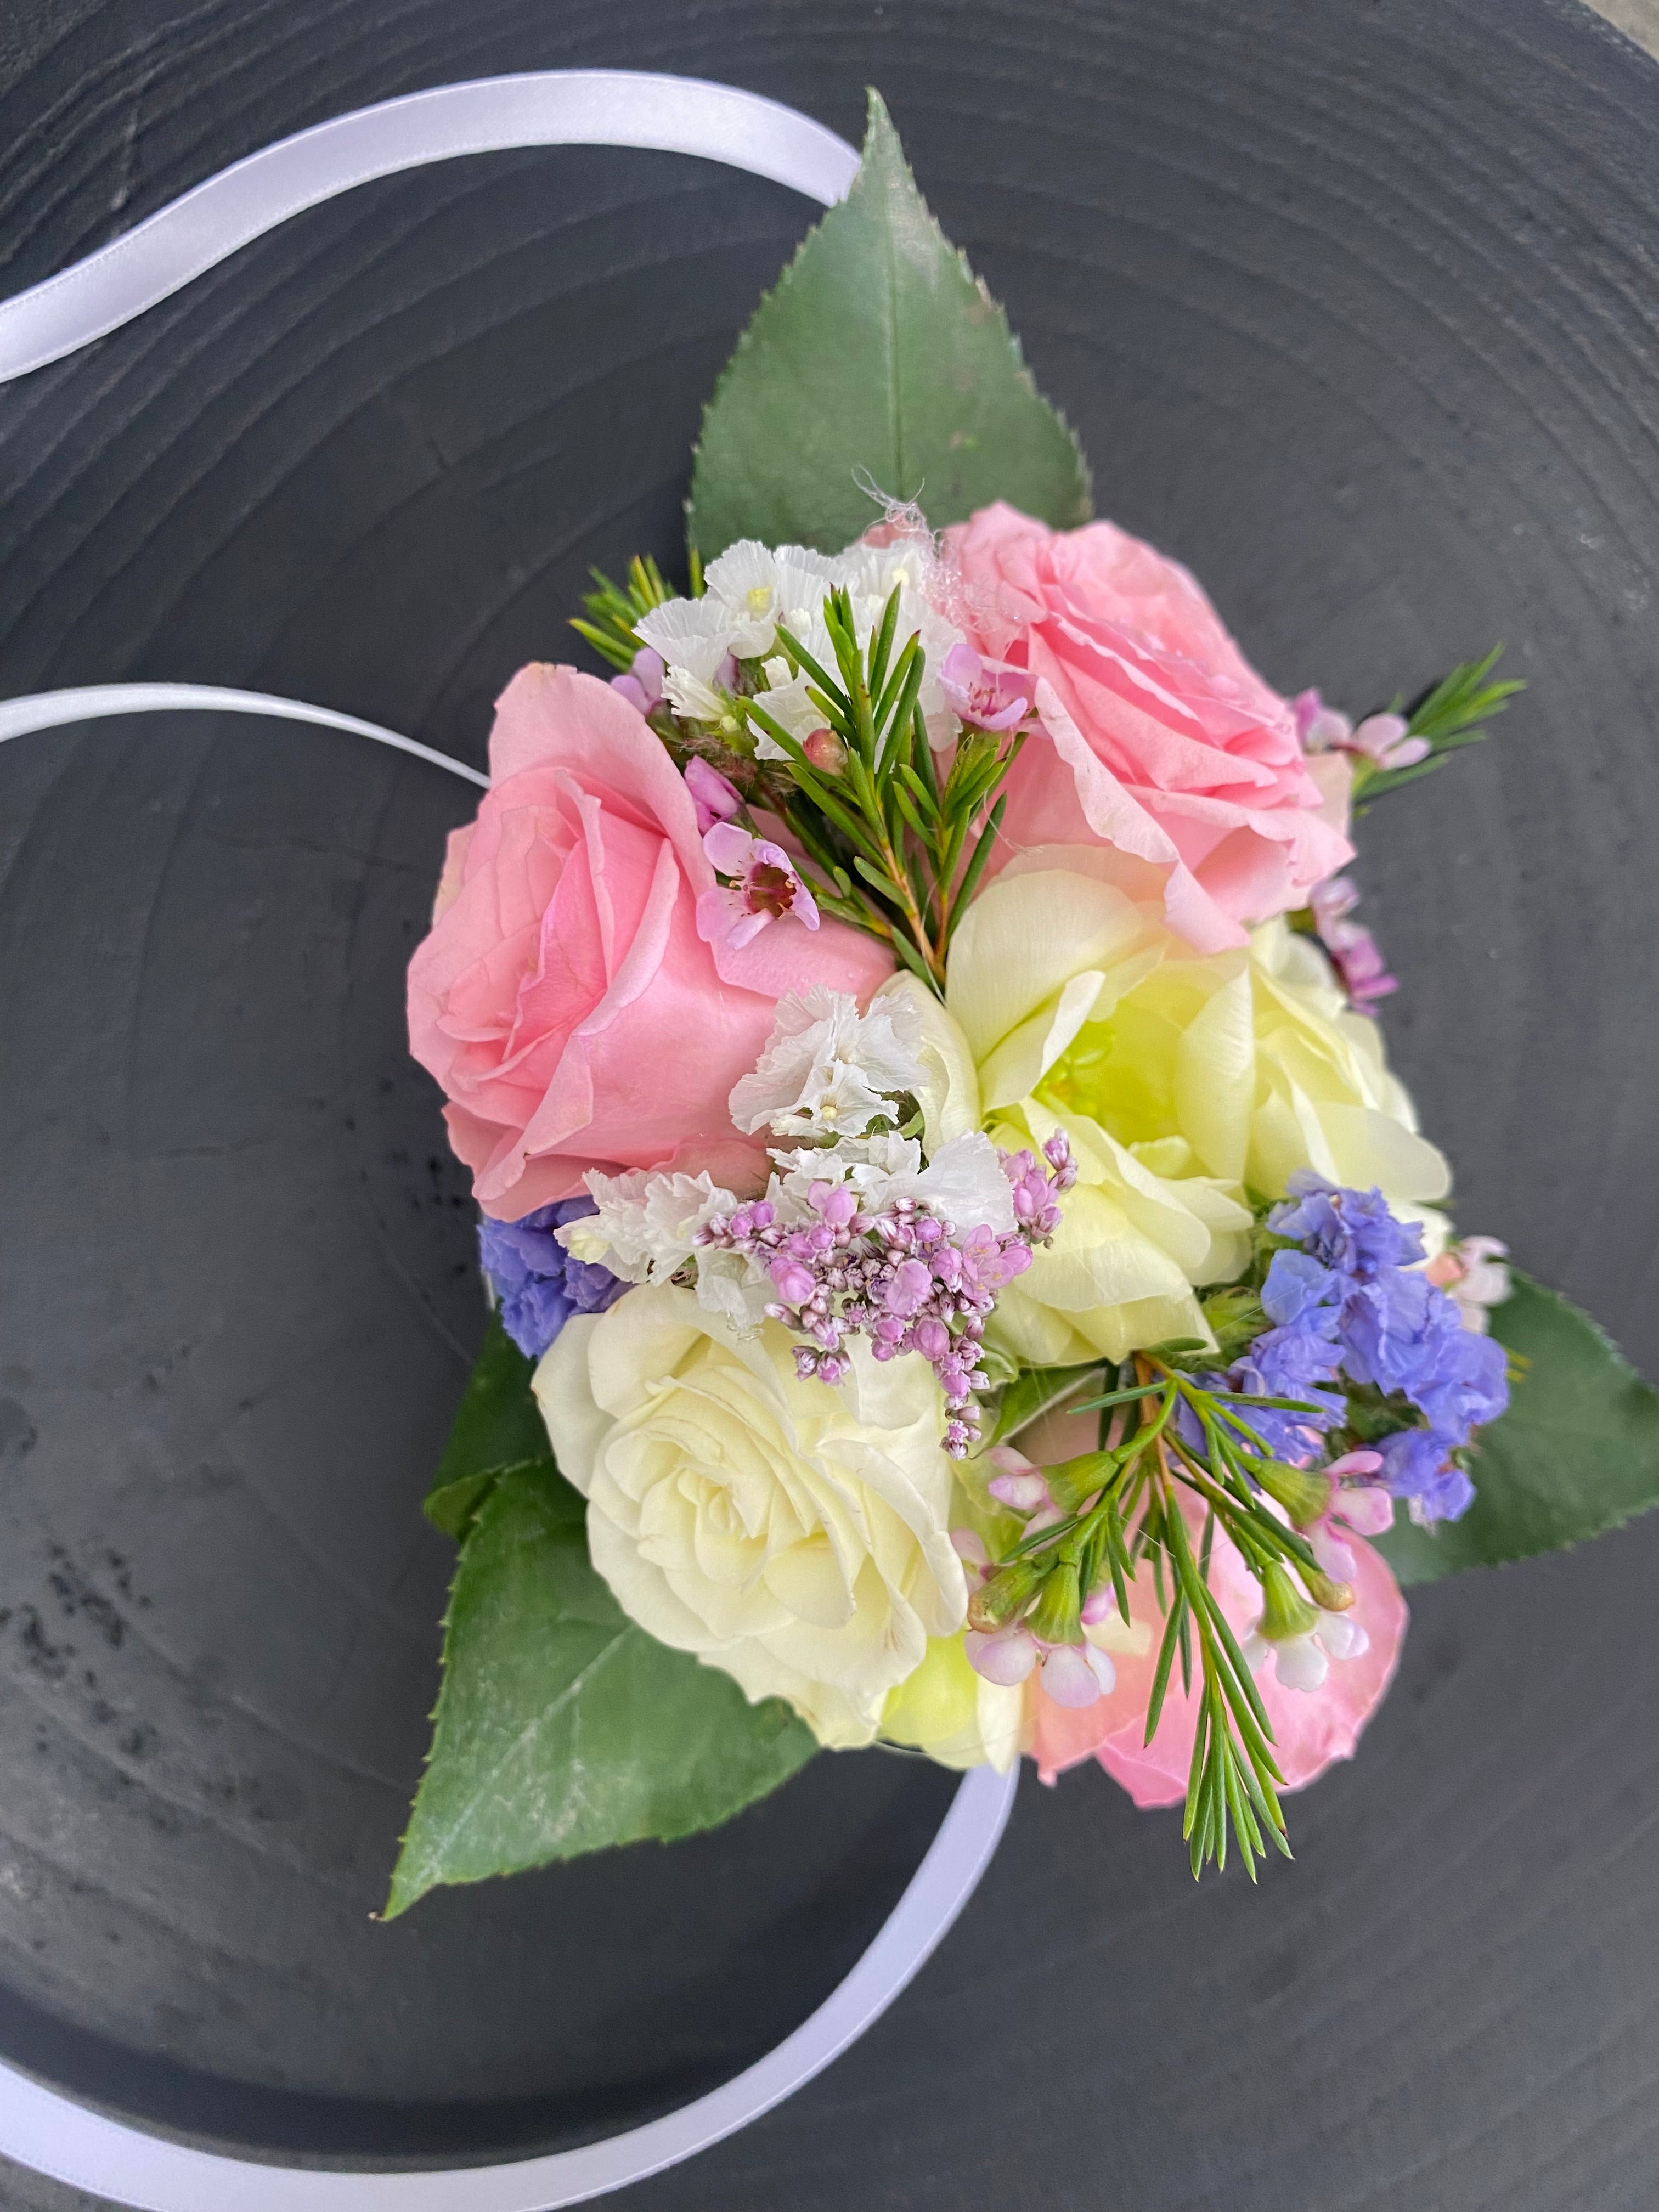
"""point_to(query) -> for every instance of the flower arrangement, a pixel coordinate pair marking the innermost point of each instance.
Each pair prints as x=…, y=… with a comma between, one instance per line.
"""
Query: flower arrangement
x=964, y=1275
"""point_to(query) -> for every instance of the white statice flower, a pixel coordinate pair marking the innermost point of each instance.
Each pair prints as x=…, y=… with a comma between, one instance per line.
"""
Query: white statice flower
x=646, y=1229
x=694, y=700
x=963, y=1184
x=753, y=590
x=693, y=635
x=759, y=588
x=873, y=1167
x=910, y=562
x=785, y=699
x=827, y=1069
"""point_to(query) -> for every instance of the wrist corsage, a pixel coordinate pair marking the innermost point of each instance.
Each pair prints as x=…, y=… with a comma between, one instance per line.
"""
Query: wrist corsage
x=963, y=1274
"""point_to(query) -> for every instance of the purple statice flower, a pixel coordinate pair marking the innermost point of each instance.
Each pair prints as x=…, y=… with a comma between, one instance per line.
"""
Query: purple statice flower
x=538, y=1284
x=1354, y=1289
x=1390, y=1324
x=1418, y=1465
x=1301, y=1292
x=1350, y=1231
x=901, y=1278
x=1466, y=1383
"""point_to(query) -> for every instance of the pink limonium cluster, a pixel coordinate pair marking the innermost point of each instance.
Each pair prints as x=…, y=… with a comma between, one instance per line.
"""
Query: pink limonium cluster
x=900, y=1277
x=1355, y=953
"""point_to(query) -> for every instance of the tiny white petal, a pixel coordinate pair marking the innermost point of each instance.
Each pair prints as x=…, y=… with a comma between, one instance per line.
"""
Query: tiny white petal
x=694, y=636
x=1300, y=1664
x=1342, y=1635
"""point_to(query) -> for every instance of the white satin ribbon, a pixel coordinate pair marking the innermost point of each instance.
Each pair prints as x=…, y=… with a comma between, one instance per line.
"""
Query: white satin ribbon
x=546, y=107
x=52, y=710
x=86, y=2150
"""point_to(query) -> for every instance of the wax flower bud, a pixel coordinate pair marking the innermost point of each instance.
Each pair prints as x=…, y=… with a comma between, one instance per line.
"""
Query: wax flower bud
x=1075, y=1480
x=1306, y=1497
x=825, y=751
x=1329, y=1596
x=1056, y=1617
x=1006, y=1596
x=1285, y=1612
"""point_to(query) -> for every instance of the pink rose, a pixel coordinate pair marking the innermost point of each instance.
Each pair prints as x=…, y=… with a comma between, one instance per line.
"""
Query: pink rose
x=1311, y=1728
x=564, y=1000
x=1157, y=738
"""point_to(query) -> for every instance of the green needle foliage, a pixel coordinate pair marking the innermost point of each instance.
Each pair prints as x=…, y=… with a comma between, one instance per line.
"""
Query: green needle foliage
x=897, y=853
x=1455, y=712
x=1121, y=1510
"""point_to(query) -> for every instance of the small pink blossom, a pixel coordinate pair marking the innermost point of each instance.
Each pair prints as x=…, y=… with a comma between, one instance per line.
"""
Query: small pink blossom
x=825, y=750
x=1382, y=739
x=986, y=695
x=766, y=887
x=1006, y=1657
x=1355, y=953
x=1475, y=1275
x=714, y=798
x=1358, y=1507
x=643, y=685
x=1076, y=1675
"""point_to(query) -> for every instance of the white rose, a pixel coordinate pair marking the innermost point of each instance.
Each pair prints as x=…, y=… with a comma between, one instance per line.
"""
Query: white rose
x=794, y=1534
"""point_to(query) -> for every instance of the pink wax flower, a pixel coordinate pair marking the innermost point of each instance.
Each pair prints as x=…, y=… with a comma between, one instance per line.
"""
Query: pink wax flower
x=641, y=686
x=1355, y=953
x=1380, y=738
x=714, y=798
x=564, y=979
x=985, y=695
x=766, y=888
x=1474, y=1273
x=1311, y=1728
x=1161, y=744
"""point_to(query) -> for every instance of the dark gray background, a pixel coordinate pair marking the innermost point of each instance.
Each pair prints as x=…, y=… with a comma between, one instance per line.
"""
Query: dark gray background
x=1355, y=307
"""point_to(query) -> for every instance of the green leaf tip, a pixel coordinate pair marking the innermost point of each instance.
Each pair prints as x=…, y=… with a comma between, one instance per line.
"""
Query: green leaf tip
x=560, y=1727
x=878, y=358
x=1577, y=1454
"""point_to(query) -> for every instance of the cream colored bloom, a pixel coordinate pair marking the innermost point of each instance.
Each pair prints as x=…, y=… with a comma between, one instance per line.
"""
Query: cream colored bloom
x=1183, y=1083
x=794, y=1534
x=954, y=1715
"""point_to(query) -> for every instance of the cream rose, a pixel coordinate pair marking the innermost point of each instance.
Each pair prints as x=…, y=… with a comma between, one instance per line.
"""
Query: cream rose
x=954, y=1715
x=794, y=1534
x=1183, y=1083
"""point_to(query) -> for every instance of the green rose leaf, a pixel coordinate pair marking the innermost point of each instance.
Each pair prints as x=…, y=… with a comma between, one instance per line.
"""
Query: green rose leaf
x=1576, y=1453
x=498, y=1422
x=560, y=1727
x=880, y=356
